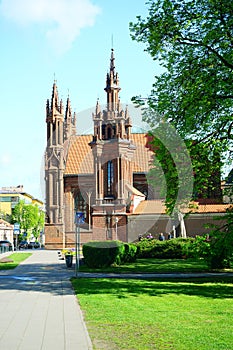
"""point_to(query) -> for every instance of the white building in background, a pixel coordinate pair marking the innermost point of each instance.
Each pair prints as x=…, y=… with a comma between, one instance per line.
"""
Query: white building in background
x=6, y=231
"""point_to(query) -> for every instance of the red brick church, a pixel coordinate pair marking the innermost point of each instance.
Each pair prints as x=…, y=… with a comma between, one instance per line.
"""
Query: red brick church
x=103, y=176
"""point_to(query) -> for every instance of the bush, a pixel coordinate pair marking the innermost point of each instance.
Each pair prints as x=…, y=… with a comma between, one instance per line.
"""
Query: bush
x=130, y=252
x=99, y=254
x=144, y=247
x=175, y=248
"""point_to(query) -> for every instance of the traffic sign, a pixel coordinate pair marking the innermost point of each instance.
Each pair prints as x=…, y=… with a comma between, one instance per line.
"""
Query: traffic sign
x=16, y=228
x=79, y=217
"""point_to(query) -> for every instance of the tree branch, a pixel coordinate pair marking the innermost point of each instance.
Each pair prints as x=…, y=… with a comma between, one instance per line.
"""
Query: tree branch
x=194, y=42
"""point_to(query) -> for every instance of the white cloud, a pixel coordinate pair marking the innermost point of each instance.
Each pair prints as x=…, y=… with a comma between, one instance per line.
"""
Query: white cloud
x=63, y=19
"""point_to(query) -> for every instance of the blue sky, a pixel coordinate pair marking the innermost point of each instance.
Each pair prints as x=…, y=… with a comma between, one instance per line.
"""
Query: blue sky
x=71, y=40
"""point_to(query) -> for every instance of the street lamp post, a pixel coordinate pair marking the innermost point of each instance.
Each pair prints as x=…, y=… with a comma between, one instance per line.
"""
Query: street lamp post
x=116, y=221
x=79, y=219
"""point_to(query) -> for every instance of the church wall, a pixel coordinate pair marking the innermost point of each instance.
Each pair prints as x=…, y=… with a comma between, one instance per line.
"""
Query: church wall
x=54, y=237
x=70, y=238
x=194, y=224
x=104, y=230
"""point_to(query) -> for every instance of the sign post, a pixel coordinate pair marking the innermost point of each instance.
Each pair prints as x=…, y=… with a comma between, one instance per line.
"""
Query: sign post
x=16, y=232
x=79, y=219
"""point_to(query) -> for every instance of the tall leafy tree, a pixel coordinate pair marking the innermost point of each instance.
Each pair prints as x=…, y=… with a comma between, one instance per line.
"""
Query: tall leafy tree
x=193, y=40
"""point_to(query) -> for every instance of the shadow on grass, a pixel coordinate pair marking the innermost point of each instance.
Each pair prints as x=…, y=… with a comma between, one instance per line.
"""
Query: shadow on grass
x=153, y=265
x=208, y=288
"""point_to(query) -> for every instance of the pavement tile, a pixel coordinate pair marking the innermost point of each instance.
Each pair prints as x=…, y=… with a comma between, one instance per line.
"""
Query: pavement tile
x=38, y=307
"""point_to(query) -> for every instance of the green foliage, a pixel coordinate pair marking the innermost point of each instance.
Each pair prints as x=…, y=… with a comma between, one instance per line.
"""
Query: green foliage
x=172, y=173
x=221, y=242
x=199, y=248
x=30, y=218
x=130, y=252
x=170, y=249
x=216, y=248
x=103, y=253
x=193, y=42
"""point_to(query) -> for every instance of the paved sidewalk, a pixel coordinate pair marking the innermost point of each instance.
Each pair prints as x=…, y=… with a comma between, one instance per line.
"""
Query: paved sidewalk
x=38, y=309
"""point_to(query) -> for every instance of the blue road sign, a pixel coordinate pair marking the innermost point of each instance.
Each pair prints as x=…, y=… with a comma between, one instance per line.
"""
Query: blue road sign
x=79, y=217
x=16, y=228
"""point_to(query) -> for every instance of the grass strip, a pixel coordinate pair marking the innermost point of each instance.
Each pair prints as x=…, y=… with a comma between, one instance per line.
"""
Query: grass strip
x=155, y=266
x=152, y=314
x=16, y=258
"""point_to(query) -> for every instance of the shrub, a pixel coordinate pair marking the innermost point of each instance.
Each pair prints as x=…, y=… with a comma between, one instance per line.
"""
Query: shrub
x=170, y=249
x=221, y=242
x=103, y=253
x=144, y=247
x=130, y=252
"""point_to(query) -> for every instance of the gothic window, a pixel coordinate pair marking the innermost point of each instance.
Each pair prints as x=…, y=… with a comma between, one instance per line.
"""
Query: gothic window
x=103, y=132
x=109, y=177
x=54, y=134
x=109, y=132
x=114, y=130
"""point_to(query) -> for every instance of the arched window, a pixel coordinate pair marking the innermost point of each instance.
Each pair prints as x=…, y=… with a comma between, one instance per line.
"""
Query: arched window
x=103, y=132
x=110, y=178
x=109, y=132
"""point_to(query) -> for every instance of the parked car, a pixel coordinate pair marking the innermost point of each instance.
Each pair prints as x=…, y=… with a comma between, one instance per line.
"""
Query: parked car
x=6, y=246
x=23, y=245
x=32, y=245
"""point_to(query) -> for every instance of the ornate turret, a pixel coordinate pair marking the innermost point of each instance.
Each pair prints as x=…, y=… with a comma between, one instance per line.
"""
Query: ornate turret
x=54, y=118
x=69, y=121
x=112, y=152
x=112, y=86
x=54, y=161
x=113, y=122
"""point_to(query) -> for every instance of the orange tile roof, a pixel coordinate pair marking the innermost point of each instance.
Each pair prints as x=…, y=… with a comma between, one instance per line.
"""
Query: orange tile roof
x=210, y=208
x=158, y=207
x=79, y=156
x=143, y=157
x=150, y=207
x=80, y=160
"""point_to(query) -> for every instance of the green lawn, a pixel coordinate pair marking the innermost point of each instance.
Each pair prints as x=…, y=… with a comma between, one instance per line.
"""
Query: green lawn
x=17, y=259
x=155, y=266
x=158, y=314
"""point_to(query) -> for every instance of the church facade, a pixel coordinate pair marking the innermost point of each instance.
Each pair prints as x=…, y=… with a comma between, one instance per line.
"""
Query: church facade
x=102, y=175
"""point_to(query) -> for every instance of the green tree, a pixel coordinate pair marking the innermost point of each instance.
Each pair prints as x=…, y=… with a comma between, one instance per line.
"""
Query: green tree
x=217, y=247
x=30, y=218
x=39, y=222
x=193, y=41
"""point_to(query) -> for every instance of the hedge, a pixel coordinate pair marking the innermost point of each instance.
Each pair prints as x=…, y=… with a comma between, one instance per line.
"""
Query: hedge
x=170, y=249
x=103, y=253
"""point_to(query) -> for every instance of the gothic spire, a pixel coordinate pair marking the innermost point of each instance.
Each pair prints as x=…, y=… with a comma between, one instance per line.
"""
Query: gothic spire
x=112, y=85
x=68, y=113
x=55, y=98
